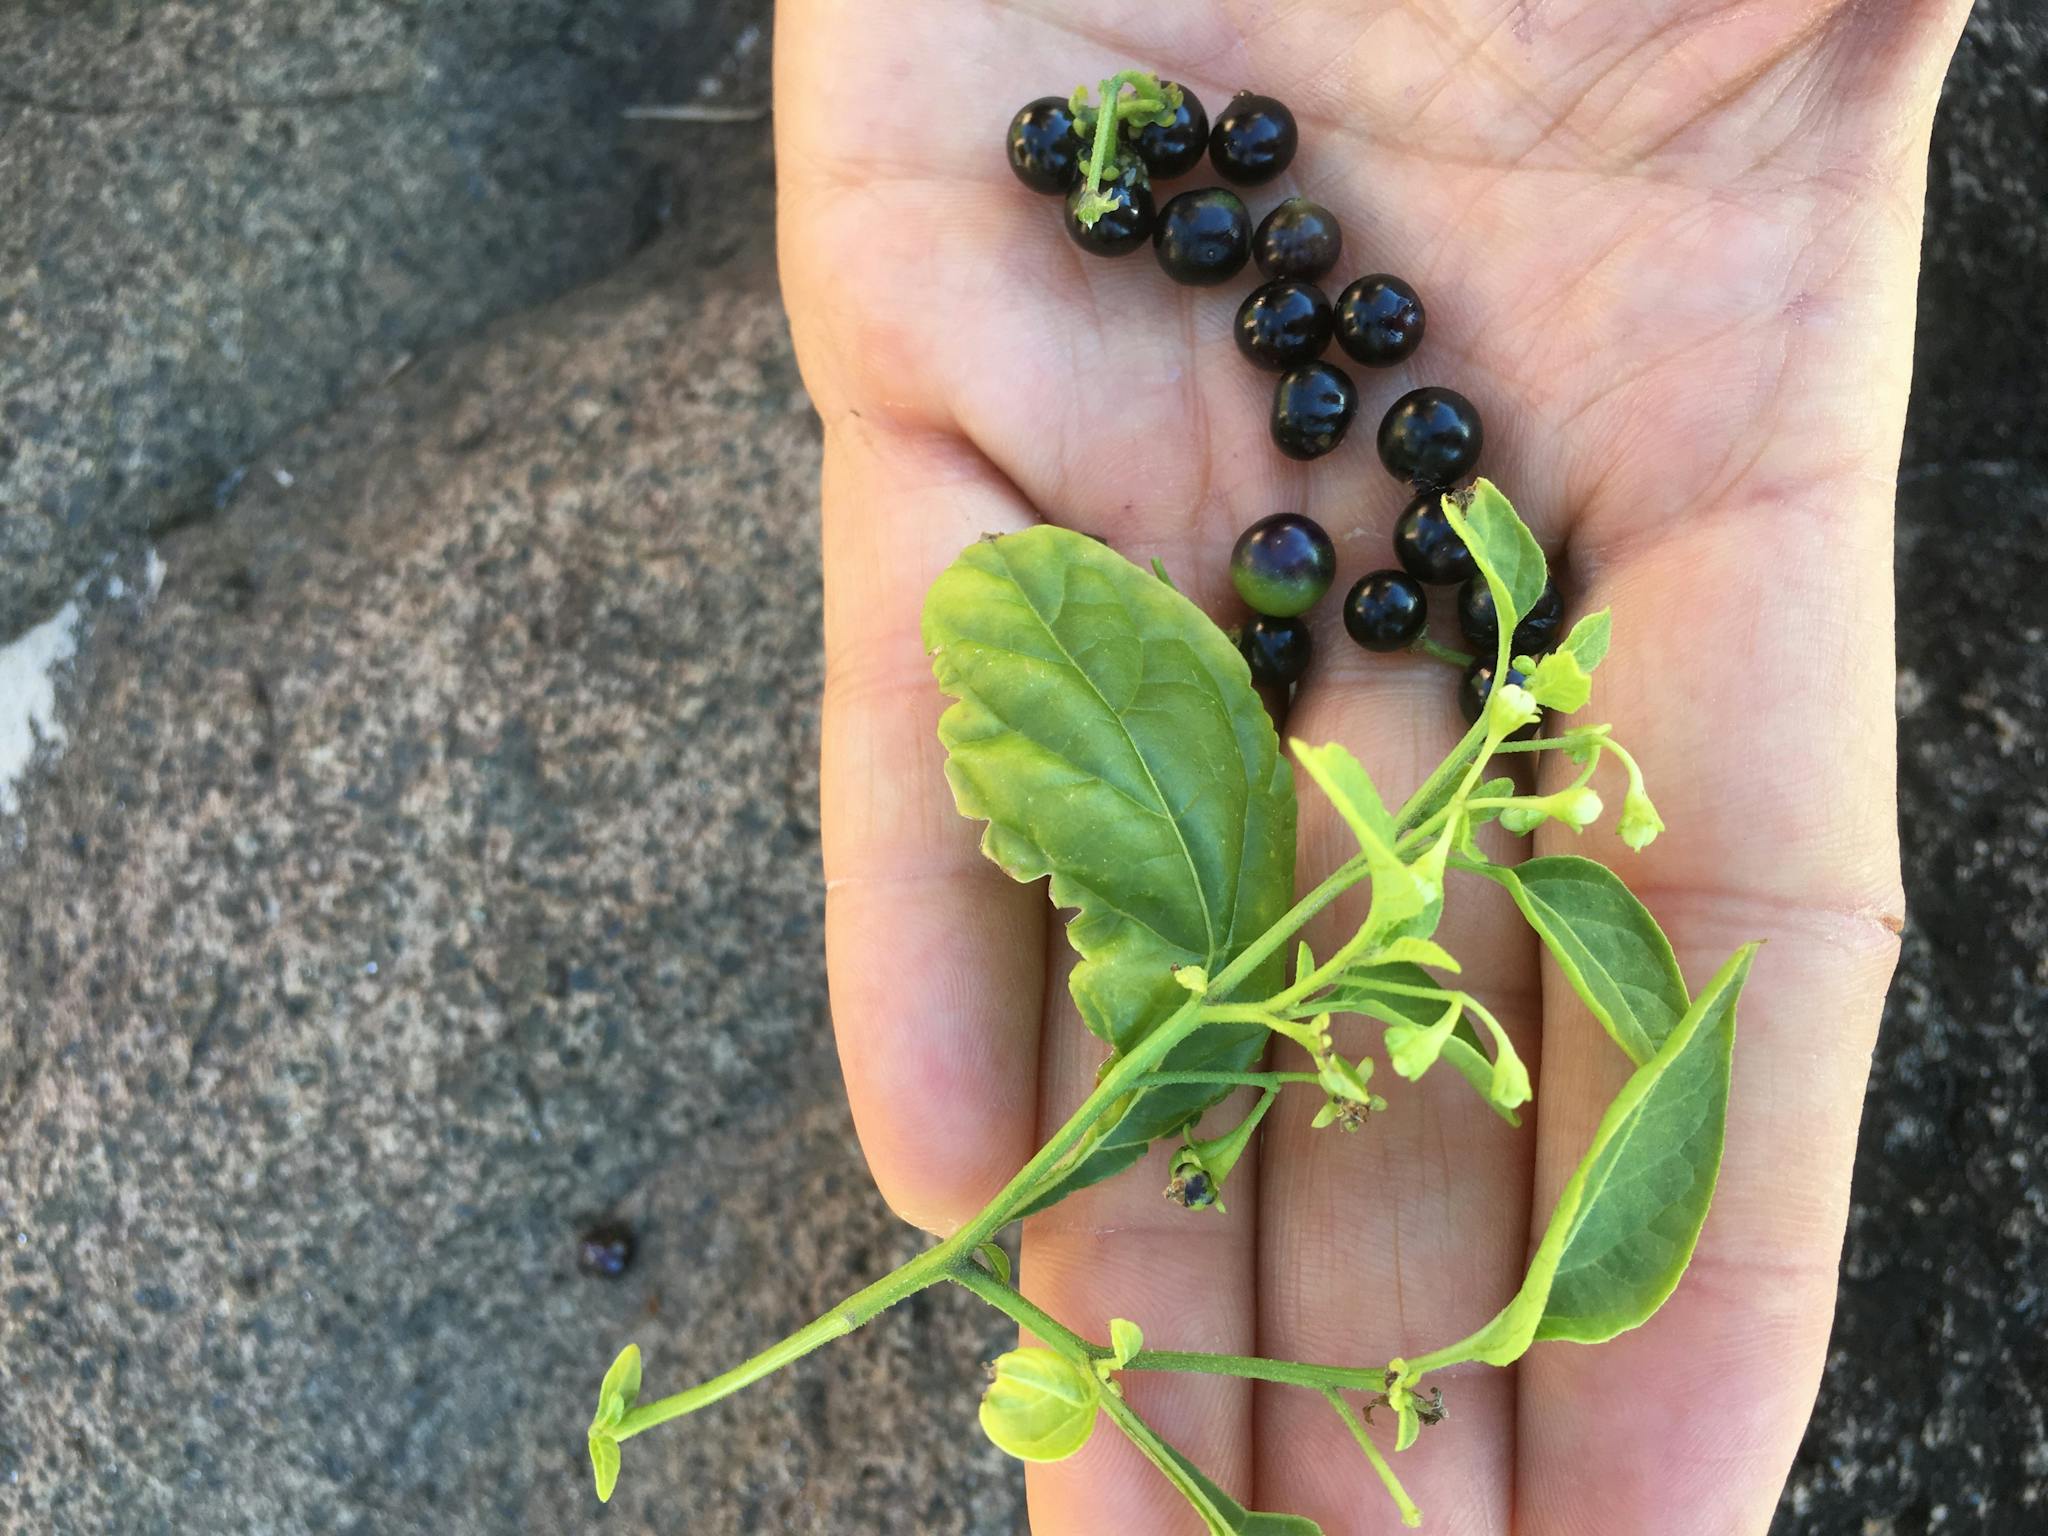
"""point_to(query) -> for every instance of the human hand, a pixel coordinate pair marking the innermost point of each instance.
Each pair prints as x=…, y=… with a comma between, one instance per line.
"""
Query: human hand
x=1669, y=250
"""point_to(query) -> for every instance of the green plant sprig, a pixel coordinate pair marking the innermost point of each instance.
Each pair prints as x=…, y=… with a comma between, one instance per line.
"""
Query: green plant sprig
x=1034, y=634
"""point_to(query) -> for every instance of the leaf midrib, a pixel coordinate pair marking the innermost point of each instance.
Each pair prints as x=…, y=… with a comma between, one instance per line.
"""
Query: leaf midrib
x=1179, y=837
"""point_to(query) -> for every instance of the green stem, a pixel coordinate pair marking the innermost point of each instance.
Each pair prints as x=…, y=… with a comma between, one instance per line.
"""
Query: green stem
x=1425, y=646
x=1228, y=1079
x=1106, y=118
x=1410, y=1515
x=1014, y=1305
x=1290, y=1373
x=927, y=1269
x=1007, y=1300
x=1051, y=1161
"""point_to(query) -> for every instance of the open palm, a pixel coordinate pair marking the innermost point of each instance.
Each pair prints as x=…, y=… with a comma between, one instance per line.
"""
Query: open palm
x=1668, y=249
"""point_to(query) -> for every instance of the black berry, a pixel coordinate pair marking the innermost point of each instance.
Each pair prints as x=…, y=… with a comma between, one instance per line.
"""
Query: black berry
x=1298, y=239
x=1312, y=407
x=1283, y=564
x=1431, y=437
x=1045, y=152
x=1254, y=139
x=1176, y=148
x=1474, y=691
x=605, y=1250
x=1379, y=320
x=1537, y=632
x=1126, y=225
x=1386, y=611
x=1283, y=325
x=1276, y=650
x=1427, y=547
x=1203, y=238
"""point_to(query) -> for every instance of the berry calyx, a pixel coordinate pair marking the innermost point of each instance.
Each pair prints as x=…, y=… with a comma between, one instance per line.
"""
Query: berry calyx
x=1428, y=548
x=1479, y=620
x=1175, y=148
x=1127, y=216
x=1254, y=139
x=1044, y=149
x=1386, y=611
x=1204, y=237
x=1276, y=649
x=1283, y=564
x=1379, y=320
x=1312, y=408
x=1431, y=437
x=1299, y=239
x=1283, y=324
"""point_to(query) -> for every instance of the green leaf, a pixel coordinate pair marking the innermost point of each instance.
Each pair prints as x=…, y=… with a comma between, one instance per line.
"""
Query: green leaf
x=1039, y=1406
x=1126, y=1339
x=1587, y=642
x=1605, y=943
x=1629, y=1217
x=620, y=1389
x=1109, y=735
x=1398, y=894
x=604, y=1465
x=1559, y=682
x=1221, y=1514
x=1506, y=552
x=995, y=1260
x=1417, y=952
x=1645, y=1201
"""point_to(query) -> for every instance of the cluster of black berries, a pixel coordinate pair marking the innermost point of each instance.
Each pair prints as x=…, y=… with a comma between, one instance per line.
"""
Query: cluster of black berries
x=1430, y=438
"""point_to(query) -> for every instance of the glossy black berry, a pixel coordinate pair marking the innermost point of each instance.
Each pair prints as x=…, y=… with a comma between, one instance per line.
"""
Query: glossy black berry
x=1283, y=564
x=1479, y=621
x=1176, y=148
x=1283, y=325
x=1276, y=650
x=1312, y=407
x=1386, y=611
x=1298, y=239
x=605, y=1250
x=1045, y=152
x=1254, y=139
x=1427, y=547
x=1477, y=687
x=1124, y=227
x=1203, y=238
x=1379, y=320
x=1431, y=437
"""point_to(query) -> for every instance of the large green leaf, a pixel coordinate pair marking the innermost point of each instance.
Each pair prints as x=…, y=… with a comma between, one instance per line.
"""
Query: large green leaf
x=1109, y=735
x=1605, y=942
x=1629, y=1217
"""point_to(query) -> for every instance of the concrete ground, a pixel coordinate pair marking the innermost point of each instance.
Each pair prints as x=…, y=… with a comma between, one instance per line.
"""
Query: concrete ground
x=409, y=501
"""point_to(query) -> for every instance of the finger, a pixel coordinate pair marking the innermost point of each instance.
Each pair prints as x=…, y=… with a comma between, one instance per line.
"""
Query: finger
x=1764, y=720
x=935, y=957
x=1407, y=1234
x=1121, y=1249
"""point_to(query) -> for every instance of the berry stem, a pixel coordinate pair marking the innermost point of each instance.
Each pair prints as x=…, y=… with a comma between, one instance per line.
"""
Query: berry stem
x=1424, y=646
x=1109, y=116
